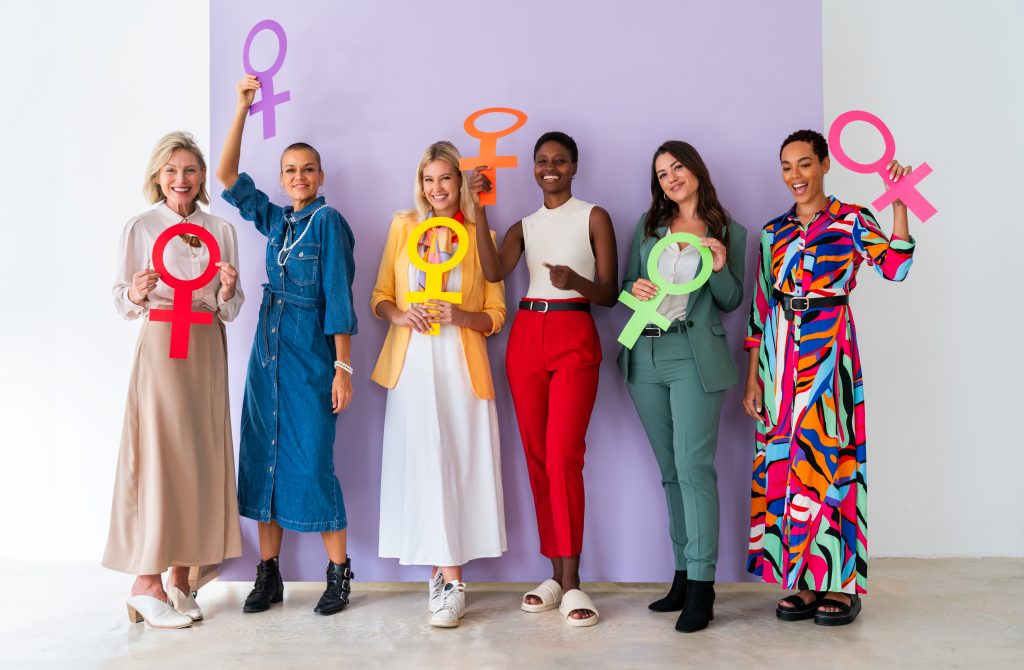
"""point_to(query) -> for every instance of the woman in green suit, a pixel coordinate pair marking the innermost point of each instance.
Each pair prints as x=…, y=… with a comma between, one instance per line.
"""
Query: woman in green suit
x=677, y=377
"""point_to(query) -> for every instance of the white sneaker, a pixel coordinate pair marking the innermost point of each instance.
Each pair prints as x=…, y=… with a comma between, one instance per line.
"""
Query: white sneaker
x=435, y=588
x=453, y=606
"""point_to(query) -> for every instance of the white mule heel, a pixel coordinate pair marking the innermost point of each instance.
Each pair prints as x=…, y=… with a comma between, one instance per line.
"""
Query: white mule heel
x=156, y=613
x=184, y=603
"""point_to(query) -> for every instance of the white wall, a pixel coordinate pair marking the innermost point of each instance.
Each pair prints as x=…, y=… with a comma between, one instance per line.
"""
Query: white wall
x=87, y=89
x=941, y=365
x=87, y=93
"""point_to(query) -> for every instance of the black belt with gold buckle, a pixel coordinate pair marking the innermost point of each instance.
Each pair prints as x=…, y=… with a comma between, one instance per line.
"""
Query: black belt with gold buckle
x=793, y=304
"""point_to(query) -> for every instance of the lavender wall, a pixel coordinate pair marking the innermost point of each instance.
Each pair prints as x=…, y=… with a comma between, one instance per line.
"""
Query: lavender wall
x=372, y=84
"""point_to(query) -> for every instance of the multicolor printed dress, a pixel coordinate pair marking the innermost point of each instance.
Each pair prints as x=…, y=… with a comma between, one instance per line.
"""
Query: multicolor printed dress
x=808, y=526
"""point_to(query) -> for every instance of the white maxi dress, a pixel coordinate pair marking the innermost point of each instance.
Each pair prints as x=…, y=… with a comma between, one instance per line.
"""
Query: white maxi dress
x=441, y=499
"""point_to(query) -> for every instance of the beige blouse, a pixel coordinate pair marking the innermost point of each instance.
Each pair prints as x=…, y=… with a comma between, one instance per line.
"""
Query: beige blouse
x=180, y=259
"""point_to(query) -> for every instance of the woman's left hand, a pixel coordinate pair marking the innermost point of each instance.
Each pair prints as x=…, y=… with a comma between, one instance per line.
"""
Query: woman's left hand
x=718, y=252
x=442, y=311
x=561, y=276
x=896, y=172
x=341, y=390
x=228, y=279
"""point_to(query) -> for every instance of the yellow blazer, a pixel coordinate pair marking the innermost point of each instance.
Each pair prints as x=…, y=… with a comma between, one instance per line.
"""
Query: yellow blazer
x=478, y=295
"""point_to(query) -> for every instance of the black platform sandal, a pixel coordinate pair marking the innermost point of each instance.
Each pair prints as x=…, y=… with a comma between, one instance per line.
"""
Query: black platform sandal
x=800, y=611
x=339, y=586
x=845, y=615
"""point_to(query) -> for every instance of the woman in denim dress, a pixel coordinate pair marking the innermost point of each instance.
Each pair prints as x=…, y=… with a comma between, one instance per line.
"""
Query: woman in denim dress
x=299, y=374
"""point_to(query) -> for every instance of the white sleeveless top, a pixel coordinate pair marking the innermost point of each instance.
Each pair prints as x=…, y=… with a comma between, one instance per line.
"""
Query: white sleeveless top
x=559, y=236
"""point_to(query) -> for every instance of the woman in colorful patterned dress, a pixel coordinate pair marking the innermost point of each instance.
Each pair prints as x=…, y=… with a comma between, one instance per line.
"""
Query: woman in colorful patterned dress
x=808, y=498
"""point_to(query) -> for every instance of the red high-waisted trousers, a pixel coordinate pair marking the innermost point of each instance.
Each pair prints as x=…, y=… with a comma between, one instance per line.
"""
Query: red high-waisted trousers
x=552, y=363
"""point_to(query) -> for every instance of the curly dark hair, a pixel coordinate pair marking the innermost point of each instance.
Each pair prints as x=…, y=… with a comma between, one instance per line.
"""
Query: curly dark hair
x=812, y=137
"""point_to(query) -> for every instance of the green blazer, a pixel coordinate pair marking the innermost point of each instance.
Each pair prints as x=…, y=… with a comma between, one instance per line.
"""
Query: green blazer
x=723, y=292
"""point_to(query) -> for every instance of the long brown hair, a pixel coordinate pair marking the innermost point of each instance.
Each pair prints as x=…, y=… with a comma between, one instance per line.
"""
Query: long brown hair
x=709, y=209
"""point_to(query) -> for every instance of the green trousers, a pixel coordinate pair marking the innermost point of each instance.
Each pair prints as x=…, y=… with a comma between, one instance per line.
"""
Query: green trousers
x=681, y=422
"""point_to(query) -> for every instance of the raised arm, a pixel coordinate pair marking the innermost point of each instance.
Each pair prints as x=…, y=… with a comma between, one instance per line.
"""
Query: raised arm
x=891, y=257
x=227, y=168
x=496, y=263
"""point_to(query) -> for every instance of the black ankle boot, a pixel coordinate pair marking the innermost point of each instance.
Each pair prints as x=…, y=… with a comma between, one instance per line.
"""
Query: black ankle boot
x=699, y=609
x=676, y=597
x=339, y=586
x=269, y=588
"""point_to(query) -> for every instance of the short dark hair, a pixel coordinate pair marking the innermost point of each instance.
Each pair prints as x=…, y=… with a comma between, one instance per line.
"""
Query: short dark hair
x=561, y=138
x=302, y=146
x=812, y=137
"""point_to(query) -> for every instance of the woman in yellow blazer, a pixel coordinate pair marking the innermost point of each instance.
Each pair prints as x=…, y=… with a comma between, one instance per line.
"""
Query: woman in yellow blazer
x=441, y=499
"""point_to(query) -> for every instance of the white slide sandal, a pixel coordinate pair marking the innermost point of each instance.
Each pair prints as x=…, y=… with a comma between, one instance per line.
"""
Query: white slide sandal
x=575, y=599
x=550, y=593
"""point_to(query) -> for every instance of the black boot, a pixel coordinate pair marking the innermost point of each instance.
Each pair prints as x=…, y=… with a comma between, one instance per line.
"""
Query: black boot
x=339, y=586
x=269, y=588
x=699, y=609
x=676, y=597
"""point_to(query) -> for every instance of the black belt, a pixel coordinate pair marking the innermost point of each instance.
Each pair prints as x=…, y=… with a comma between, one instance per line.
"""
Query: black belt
x=796, y=303
x=544, y=306
x=650, y=330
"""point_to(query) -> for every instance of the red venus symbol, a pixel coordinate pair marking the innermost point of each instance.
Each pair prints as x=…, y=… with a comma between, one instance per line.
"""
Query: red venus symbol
x=489, y=148
x=181, y=315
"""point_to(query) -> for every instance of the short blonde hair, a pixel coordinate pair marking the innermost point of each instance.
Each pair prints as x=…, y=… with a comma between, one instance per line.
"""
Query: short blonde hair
x=441, y=151
x=167, y=145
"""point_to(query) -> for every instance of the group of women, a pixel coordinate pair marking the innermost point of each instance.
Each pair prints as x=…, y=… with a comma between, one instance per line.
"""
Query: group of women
x=175, y=503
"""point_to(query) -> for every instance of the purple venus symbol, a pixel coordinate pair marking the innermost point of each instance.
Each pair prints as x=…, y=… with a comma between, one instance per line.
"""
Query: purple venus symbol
x=268, y=98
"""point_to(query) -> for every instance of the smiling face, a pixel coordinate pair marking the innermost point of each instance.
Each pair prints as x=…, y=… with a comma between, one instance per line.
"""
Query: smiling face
x=804, y=175
x=677, y=181
x=553, y=167
x=441, y=187
x=301, y=176
x=180, y=181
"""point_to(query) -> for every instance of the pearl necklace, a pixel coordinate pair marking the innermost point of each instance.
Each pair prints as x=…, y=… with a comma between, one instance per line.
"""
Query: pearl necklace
x=286, y=249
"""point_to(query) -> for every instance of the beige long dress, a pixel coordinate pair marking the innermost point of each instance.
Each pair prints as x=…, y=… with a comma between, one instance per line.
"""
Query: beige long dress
x=174, y=500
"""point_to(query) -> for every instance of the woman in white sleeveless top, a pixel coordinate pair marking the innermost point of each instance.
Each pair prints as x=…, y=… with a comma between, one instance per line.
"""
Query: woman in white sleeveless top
x=554, y=354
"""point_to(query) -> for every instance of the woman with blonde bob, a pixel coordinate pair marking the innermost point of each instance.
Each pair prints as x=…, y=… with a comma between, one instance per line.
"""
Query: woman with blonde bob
x=441, y=500
x=174, y=493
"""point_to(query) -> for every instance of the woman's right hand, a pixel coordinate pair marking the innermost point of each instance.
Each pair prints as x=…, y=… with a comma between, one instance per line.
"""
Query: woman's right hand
x=478, y=182
x=415, y=317
x=247, y=90
x=644, y=290
x=753, y=400
x=143, y=283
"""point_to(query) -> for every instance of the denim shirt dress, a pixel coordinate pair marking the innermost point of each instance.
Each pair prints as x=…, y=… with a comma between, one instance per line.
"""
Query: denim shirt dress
x=286, y=457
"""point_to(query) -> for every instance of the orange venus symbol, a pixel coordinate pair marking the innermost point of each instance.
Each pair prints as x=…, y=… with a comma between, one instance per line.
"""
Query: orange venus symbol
x=489, y=148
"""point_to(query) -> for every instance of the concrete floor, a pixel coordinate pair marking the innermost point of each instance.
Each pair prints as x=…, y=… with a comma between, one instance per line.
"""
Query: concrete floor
x=962, y=613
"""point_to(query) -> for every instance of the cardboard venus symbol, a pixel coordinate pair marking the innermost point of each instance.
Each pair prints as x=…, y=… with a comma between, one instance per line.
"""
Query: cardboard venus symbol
x=434, y=271
x=489, y=149
x=905, y=189
x=181, y=315
x=646, y=311
x=268, y=98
